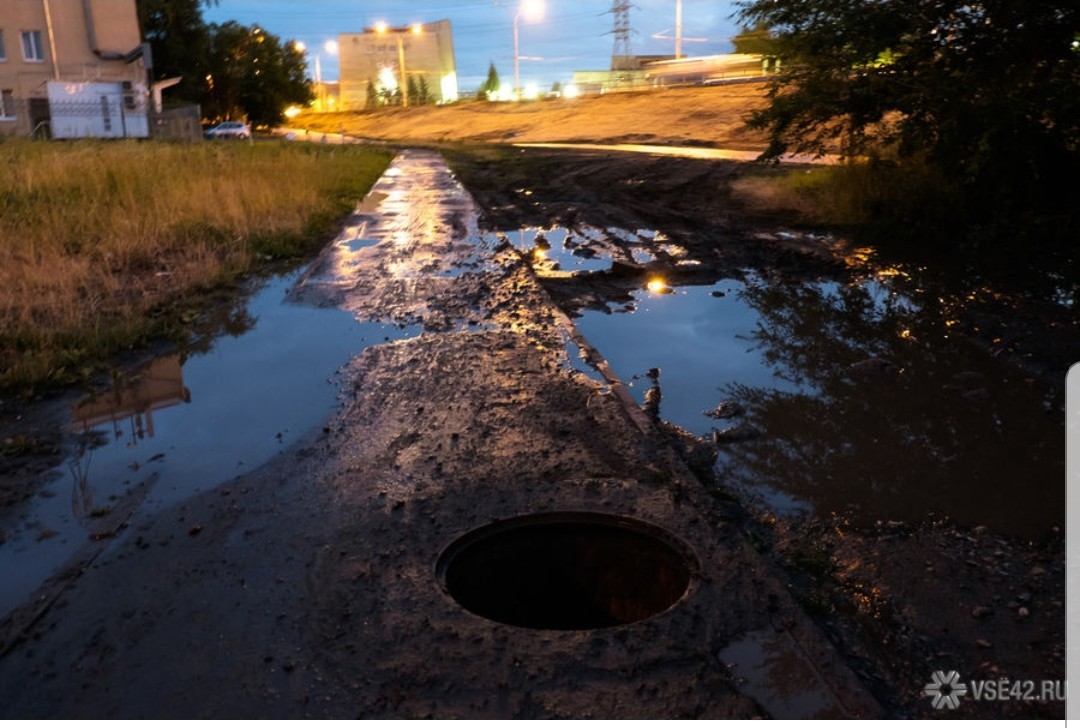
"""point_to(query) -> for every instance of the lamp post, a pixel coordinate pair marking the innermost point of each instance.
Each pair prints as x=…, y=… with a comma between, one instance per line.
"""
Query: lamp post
x=678, y=29
x=331, y=47
x=532, y=10
x=399, y=35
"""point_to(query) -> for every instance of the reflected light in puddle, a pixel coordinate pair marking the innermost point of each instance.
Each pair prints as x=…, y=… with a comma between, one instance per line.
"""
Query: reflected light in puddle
x=659, y=286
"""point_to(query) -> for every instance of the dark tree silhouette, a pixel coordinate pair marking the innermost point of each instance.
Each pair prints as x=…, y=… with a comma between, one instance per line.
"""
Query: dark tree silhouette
x=984, y=92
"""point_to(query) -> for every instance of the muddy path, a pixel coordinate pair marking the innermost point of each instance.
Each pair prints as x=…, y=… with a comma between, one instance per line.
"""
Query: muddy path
x=493, y=394
x=876, y=424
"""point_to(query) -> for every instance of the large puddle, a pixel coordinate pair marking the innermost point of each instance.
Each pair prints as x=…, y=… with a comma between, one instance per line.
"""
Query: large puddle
x=179, y=427
x=831, y=396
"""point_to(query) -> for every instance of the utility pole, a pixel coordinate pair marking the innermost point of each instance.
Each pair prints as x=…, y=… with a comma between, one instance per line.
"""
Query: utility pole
x=678, y=29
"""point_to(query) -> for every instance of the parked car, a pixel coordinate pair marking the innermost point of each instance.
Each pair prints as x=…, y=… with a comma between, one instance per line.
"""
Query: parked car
x=230, y=130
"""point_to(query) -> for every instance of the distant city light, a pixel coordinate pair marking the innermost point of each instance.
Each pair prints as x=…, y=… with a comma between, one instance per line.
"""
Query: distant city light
x=503, y=93
x=449, y=86
x=532, y=9
x=387, y=79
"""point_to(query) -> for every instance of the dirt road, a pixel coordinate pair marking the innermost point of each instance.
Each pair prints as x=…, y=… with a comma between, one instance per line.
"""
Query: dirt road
x=321, y=584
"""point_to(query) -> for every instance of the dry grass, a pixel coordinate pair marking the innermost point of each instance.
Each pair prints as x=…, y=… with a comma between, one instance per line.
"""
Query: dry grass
x=99, y=240
x=705, y=116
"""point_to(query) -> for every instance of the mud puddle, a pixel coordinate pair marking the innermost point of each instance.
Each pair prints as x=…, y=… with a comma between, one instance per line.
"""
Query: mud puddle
x=558, y=251
x=778, y=677
x=847, y=395
x=178, y=427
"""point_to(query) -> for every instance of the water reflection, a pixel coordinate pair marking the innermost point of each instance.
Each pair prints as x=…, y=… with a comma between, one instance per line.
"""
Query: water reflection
x=903, y=416
x=867, y=400
x=562, y=251
x=775, y=675
x=186, y=423
x=157, y=386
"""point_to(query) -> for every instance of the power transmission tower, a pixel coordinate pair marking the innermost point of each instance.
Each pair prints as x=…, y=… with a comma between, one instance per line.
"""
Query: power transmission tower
x=621, y=54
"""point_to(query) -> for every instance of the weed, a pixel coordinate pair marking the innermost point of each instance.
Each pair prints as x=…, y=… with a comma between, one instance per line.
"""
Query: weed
x=105, y=247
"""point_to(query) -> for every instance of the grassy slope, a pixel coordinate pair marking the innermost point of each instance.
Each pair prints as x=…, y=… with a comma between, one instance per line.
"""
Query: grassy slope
x=707, y=116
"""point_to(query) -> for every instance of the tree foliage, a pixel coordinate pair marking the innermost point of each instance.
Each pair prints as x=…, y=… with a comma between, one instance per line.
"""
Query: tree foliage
x=756, y=40
x=230, y=70
x=984, y=91
x=490, y=86
x=180, y=41
x=253, y=74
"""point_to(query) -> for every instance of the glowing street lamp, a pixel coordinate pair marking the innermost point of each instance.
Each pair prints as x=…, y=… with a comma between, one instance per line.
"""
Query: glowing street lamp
x=399, y=35
x=331, y=48
x=532, y=10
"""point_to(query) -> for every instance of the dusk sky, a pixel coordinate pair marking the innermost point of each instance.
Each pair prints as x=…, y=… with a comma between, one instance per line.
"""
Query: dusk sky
x=573, y=34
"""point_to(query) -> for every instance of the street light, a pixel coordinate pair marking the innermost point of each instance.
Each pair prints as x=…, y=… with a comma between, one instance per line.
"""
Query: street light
x=331, y=47
x=532, y=10
x=399, y=35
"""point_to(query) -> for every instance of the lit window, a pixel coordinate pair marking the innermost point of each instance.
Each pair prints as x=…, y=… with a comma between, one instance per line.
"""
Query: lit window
x=7, y=104
x=33, y=50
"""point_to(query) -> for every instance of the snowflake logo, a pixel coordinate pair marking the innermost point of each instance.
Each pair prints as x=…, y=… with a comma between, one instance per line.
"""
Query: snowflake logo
x=945, y=689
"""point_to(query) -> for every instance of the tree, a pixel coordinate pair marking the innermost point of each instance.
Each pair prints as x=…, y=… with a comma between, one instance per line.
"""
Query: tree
x=252, y=74
x=756, y=40
x=984, y=91
x=371, y=99
x=179, y=40
x=491, y=84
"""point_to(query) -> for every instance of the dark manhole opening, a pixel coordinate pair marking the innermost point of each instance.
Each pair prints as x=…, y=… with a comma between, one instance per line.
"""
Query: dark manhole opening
x=566, y=571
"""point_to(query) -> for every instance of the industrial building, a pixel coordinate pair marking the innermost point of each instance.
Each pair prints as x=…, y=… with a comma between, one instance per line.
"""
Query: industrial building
x=634, y=73
x=72, y=68
x=388, y=58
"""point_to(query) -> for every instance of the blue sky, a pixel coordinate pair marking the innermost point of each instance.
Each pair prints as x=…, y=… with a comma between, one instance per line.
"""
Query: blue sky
x=573, y=35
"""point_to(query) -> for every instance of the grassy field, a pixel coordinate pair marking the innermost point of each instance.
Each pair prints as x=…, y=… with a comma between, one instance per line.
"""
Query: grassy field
x=106, y=246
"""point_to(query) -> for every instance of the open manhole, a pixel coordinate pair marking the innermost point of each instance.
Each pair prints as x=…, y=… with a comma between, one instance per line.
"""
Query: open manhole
x=566, y=571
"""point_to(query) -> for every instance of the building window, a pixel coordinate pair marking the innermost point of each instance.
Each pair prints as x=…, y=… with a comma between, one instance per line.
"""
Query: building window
x=7, y=104
x=33, y=50
x=3, y=50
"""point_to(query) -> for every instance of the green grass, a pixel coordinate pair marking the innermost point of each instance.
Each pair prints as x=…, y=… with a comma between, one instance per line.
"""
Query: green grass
x=105, y=247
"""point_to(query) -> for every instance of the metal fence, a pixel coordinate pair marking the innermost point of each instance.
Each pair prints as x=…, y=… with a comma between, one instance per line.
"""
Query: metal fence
x=180, y=124
x=109, y=117
x=105, y=118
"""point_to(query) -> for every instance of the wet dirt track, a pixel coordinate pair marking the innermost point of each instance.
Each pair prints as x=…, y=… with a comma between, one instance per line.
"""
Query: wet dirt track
x=308, y=587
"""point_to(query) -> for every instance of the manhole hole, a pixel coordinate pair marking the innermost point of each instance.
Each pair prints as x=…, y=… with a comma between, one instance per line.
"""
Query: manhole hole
x=566, y=571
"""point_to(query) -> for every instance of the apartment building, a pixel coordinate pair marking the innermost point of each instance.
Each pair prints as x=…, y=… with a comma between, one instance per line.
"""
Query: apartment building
x=72, y=68
x=379, y=54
